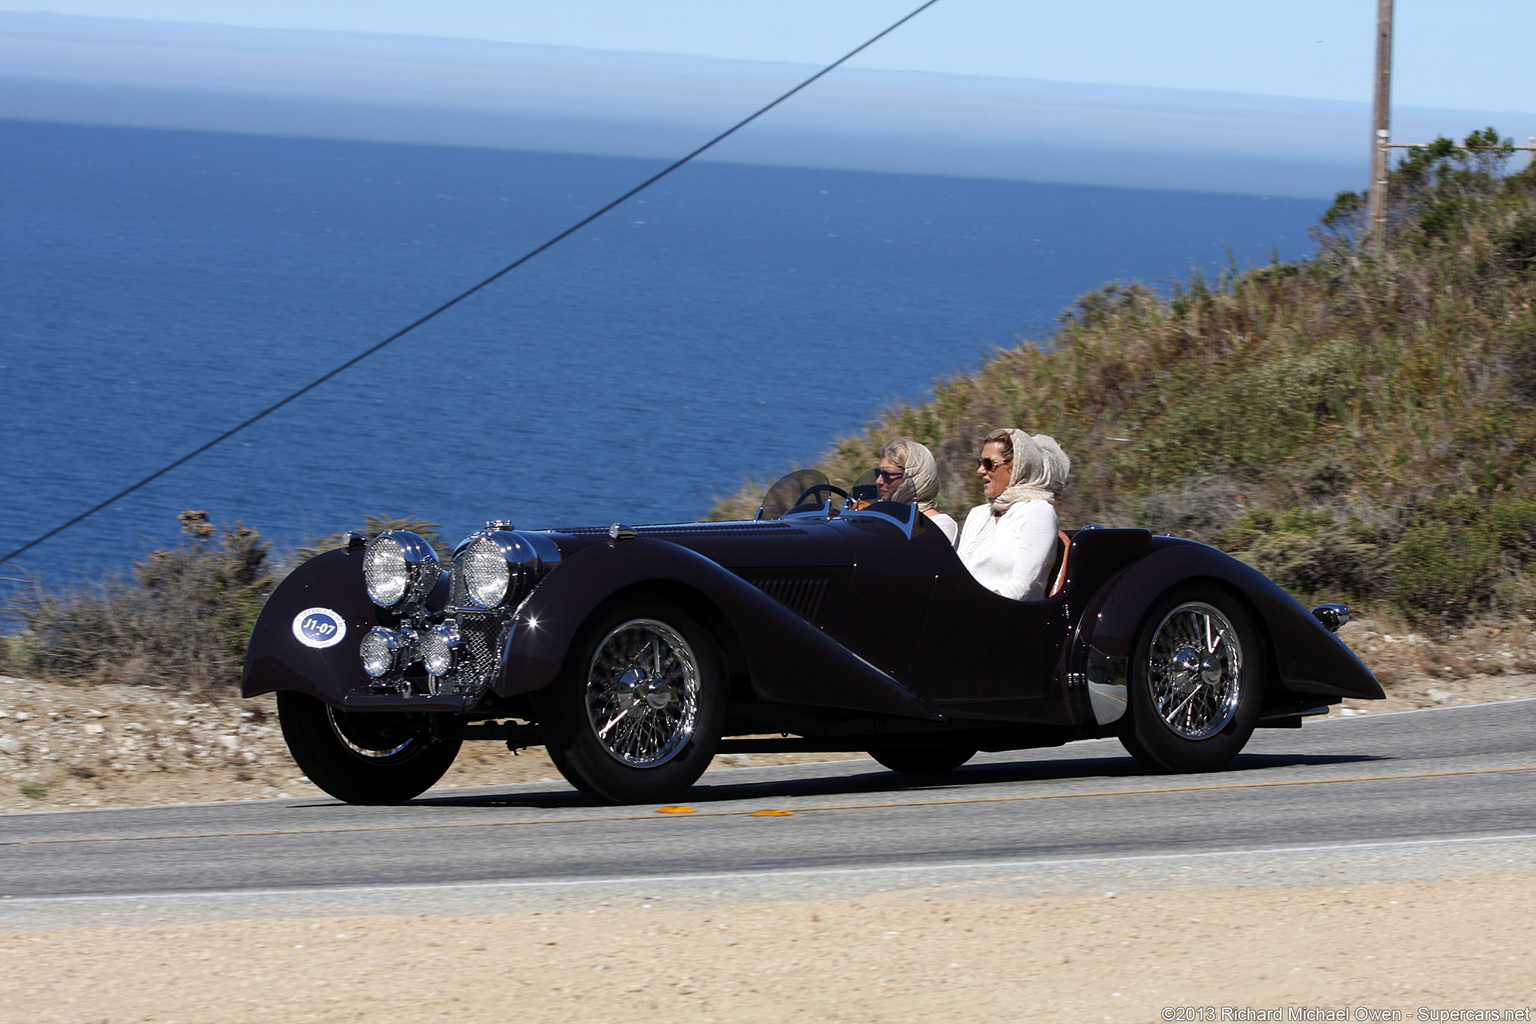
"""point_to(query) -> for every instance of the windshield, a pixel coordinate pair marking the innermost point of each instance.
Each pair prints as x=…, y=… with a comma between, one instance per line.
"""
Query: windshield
x=802, y=487
x=866, y=489
x=808, y=490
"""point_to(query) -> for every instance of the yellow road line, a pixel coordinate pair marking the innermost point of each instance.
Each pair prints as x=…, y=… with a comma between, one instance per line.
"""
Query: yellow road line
x=651, y=815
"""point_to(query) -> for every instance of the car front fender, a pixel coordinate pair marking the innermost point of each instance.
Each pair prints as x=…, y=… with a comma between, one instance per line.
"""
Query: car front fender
x=277, y=658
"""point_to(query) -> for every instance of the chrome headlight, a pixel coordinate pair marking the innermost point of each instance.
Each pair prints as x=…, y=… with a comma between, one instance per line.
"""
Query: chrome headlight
x=495, y=568
x=485, y=572
x=437, y=648
x=400, y=569
x=380, y=651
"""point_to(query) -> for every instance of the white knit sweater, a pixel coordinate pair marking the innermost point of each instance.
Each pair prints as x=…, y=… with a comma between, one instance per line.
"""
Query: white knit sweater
x=1012, y=553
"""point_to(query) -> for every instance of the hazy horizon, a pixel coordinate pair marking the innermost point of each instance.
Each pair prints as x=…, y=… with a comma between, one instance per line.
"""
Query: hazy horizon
x=550, y=98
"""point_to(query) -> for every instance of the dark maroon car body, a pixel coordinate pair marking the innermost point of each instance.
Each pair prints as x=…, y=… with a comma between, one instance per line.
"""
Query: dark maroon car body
x=838, y=629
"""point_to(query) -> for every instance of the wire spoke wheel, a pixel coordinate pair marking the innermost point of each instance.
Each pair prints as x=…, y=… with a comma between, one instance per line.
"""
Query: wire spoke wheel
x=642, y=693
x=1195, y=669
x=1196, y=681
x=638, y=710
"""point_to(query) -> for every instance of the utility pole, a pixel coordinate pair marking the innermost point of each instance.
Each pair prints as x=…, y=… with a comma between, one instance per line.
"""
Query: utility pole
x=1381, y=127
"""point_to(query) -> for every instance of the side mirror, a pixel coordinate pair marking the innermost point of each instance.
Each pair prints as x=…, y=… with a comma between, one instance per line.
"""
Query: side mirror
x=1332, y=616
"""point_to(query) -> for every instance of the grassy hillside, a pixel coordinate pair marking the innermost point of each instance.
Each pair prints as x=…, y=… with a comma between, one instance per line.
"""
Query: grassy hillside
x=1353, y=423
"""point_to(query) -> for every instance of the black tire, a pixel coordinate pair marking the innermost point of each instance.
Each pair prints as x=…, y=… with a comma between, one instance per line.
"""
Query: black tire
x=638, y=710
x=1196, y=682
x=363, y=758
x=935, y=759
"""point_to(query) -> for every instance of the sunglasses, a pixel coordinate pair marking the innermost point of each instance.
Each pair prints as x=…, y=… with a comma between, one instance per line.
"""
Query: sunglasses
x=888, y=476
x=990, y=464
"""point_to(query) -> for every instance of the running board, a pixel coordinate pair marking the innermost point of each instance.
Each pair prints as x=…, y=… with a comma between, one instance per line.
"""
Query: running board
x=1290, y=719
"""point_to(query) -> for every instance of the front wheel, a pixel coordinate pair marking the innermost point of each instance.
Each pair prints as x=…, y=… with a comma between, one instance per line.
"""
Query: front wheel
x=637, y=713
x=363, y=757
x=1197, y=681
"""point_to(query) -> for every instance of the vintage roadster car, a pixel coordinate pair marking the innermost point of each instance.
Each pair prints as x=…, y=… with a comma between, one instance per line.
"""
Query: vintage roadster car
x=635, y=654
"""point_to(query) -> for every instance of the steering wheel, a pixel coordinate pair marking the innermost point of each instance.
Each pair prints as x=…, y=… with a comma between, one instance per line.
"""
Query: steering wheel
x=816, y=494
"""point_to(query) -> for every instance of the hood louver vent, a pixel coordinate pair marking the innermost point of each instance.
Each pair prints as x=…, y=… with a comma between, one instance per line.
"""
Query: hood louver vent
x=802, y=596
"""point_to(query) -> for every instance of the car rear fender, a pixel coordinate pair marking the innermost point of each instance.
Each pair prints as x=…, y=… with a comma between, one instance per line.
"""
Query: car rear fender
x=787, y=658
x=1305, y=656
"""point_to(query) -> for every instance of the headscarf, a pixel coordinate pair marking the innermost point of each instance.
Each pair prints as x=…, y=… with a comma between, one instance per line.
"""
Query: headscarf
x=1030, y=478
x=921, y=480
x=1057, y=465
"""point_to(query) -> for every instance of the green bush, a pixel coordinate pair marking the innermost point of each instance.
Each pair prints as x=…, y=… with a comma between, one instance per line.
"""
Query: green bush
x=18, y=651
x=1442, y=570
x=1311, y=552
x=1461, y=553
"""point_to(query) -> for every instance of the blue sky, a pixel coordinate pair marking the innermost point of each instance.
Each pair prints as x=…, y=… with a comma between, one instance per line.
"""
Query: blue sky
x=1469, y=54
x=1264, y=98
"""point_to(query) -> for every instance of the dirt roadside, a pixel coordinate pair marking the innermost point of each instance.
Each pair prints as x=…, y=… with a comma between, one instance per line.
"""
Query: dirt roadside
x=117, y=745
x=1383, y=948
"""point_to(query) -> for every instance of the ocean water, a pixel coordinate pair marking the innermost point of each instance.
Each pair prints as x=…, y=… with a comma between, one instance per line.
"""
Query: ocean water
x=157, y=287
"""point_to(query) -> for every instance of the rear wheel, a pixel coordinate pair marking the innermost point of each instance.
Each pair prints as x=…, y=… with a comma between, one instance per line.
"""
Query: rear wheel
x=923, y=760
x=637, y=713
x=363, y=757
x=1197, y=682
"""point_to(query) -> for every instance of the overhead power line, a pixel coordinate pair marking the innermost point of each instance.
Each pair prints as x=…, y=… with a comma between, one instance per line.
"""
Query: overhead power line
x=647, y=183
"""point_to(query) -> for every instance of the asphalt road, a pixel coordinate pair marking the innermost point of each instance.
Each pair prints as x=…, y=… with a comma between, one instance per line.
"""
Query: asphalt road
x=1451, y=775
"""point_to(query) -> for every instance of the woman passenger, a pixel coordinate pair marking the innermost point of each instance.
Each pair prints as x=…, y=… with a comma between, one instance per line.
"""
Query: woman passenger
x=1009, y=544
x=908, y=473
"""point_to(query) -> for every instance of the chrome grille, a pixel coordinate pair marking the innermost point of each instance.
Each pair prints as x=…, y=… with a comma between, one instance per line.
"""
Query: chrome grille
x=480, y=633
x=458, y=592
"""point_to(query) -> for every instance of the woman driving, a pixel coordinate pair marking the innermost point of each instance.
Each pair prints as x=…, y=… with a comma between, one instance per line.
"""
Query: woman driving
x=1009, y=543
x=907, y=472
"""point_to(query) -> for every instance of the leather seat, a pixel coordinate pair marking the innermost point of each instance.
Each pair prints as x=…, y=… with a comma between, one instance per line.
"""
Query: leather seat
x=1059, y=577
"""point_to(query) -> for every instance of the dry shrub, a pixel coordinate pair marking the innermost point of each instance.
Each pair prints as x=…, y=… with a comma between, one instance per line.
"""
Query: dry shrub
x=1196, y=507
x=375, y=525
x=1433, y=659
x=181, y=619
